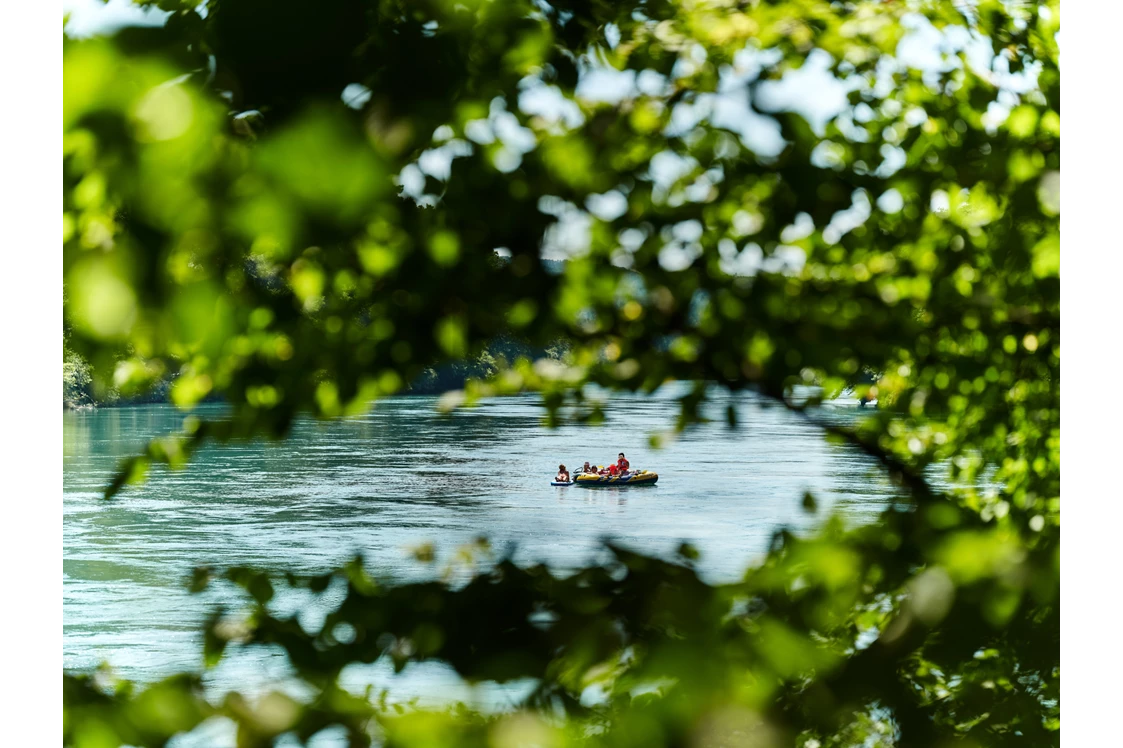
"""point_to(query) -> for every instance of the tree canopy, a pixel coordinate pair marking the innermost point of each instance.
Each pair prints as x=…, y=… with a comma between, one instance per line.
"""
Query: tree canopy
x=302, y=207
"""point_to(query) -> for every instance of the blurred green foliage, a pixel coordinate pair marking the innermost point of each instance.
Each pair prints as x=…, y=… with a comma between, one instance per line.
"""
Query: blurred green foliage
x=232, y=224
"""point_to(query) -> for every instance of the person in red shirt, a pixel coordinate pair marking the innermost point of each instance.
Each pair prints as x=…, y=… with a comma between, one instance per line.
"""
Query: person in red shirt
x=620, y=467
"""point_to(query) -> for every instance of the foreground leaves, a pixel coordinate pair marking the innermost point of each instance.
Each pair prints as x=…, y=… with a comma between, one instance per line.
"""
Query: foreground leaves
x=823, y=637
x=306, y=215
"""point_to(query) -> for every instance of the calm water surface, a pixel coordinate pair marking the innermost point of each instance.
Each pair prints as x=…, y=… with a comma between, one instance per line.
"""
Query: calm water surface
x=401, y=476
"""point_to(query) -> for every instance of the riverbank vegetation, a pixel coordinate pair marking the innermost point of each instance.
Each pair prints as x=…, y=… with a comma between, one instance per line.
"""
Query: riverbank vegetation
x=78, y=391
x=298, y=207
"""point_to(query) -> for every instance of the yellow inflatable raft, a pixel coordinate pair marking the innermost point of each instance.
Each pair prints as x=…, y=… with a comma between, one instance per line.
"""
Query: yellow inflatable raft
x=638, y=478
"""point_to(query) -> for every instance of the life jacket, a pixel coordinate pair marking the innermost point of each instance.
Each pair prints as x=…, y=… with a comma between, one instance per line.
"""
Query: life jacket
x=622, y=464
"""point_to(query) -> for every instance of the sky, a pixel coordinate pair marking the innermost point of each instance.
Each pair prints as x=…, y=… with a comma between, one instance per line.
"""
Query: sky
x=89, y=17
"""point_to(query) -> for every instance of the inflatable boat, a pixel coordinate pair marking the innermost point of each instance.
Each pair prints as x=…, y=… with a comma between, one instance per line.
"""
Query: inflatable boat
x=638, y=478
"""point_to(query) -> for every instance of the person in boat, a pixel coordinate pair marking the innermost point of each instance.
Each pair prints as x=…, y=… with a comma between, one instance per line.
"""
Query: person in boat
x=587, y=469
x=622, y=465
x=563, y=474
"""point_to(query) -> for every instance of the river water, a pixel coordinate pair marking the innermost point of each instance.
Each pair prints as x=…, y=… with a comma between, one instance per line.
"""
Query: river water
x=402, y=476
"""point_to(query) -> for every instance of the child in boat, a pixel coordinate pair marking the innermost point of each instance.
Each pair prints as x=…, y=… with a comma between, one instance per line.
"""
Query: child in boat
x=622, y=465
x=563, y=475
x=587, y=469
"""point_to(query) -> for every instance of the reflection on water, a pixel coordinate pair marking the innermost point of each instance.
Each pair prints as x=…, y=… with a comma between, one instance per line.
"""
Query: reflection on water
x=401, y=476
